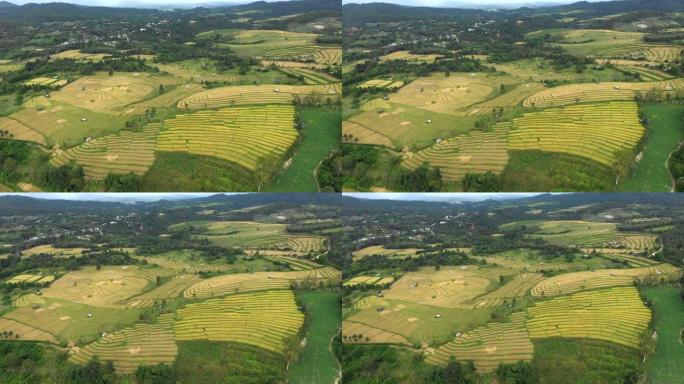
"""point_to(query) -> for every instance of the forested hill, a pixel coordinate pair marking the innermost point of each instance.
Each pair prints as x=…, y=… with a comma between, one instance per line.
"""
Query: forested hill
x=355, y=14
x=48, y=12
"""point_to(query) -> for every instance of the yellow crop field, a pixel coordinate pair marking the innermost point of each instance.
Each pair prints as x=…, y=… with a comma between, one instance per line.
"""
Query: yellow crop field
x=15, y=130
x=328, y=56
x=166, y=99
x=50, y=249
x=601, y=278
x=489, y=345
x=142, y=344
x=46, y=81
x=242, y=135
x=353, y=332
x=107, y=287
x=617, y=315
x=257, y=94
x=306, y=244
x=168, y=290
x=263, y=319
x=22, y=332
x=475, y=152
x=517, y=287
x=358, y=134
x=594, y=131
x=389, y=84
x=381, y=250
x=449, y=287
x=123, y=152
x=31, y=278
x=75, y=54
x=509, y=99
x=410, y=57
x=108, y=94
x=260, y=281
x=590, y=92
x=368, y=280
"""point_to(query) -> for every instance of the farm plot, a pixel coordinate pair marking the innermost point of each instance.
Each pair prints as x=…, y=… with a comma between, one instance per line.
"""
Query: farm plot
x=107, y=287
x=592, y=234
x=108, y=94
x=328, y=56
x=142, y=344
x=309, y=76
x=168, y=290
x=30, y=278
x=242, y=135
x=52, y=250
x=306, y=244
x=260, y=281
x=509, y=99
x=21, y=332
x=580, y=281
x=593, y=92
x=73, y=322
x=295, y=263
x=358, y=134
x=594, y=131
x=518, y=287
x=489, y=345
x=53, y=82
x=388, y=84
x=450, y=287
x=381, y=250
x=10, y=67
x=263, y=319
x=239, y=233
x=256, y=94
x=646, y=74
x=475, y=152
x=14, y=130
x=369, y=281
x=75, y=54
x=167, y=99
x=449, y=95
x=124, y=152
x=410, y=57
x=65, y=124
x=616, y=315
x=360, y=333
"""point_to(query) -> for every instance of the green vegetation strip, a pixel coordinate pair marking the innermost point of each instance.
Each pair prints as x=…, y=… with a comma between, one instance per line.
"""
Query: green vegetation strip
x=665, y=365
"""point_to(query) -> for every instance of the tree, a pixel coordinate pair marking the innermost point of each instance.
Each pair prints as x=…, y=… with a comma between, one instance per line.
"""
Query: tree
x=265, y=167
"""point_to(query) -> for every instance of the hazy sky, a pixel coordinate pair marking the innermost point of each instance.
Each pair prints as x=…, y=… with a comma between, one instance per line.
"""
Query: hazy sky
x=440, y=196
x=133, y=3
x=112, y=196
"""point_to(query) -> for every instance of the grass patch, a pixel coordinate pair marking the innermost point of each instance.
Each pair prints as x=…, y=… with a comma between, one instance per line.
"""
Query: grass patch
x=317, y=363
x=582, y=361
x=320, y=133
x=543, y=171
x=184, y=172
x=665, y=365
x=228, y=363
x=665, y=132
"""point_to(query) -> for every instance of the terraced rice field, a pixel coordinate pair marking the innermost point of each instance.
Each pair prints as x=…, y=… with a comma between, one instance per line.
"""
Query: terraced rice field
x=587, y=280
x=489, y=345
x=124, y=152
x=15, y=130
x=142, y=344
x=595, y=235
x=410, y=57
x=476, y=152
x=260, y=281
x=263, y=319
x=449, y=287
x=368, y=280
x=167, y=99
x=295, y=263
x=50, y=249
x=46, y=81
x=646, y=74
x=388, y=84
x=256, y=94
x=509, y=99
x=168, y=290
x=306, y=244
x=109, y=94
x=360, y=333
x=108, y=287
x=31, y=278
x=617, y=315
x=23, y=332
x=328, y=56
x=310, y=76
x=75, y=54
x=381, y=250
x=518, y=287
x=593, y=92
x=594, y=131
x=358, y=134
x=242, y=135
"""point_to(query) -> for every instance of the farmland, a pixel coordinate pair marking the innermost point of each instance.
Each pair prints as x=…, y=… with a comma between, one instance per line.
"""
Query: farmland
x=128, y=302
x=518, y=294
x=202, y=111
x=560, y=106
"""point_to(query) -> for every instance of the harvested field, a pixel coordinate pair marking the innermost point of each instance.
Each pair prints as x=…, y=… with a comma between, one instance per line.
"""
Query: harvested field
x=15, y=130
x=23, y=332
x=256, y=94
x=360, y=333
x=358, y=134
